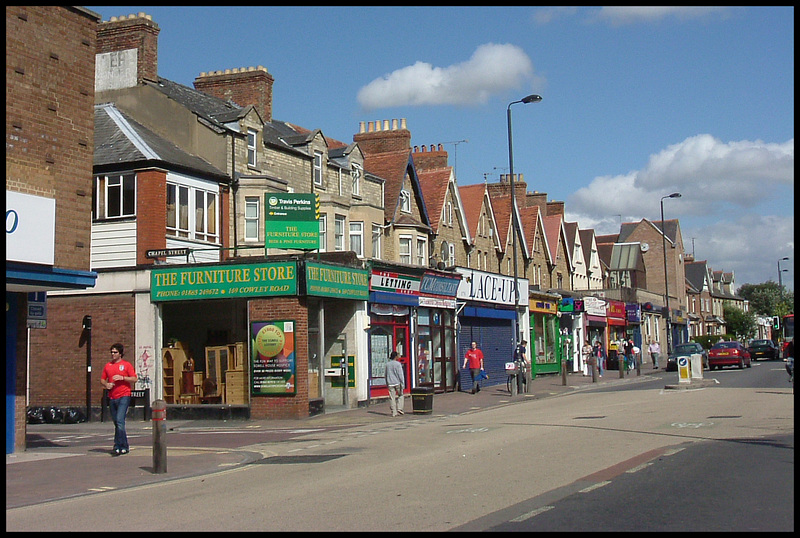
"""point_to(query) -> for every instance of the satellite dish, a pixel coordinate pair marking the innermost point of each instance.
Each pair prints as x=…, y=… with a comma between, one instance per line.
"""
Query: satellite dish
x=445, y=254
x=644, y=246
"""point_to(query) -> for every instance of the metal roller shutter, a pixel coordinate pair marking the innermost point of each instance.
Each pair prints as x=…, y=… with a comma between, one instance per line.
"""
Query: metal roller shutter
x=495, y=338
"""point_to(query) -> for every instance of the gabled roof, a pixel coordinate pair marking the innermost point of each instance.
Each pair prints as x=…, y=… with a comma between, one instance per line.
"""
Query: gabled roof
x=555, y=234
x=532, y=224
x=392, y=166
x=697, y=274
x=587, y=239
x=121, y=141
x=571, y=231
x=501, y=205
x=472, y=196
x=669, y=229
x=434, y=184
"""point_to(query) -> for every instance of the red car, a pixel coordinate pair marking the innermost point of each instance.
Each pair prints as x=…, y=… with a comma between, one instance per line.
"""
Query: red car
x=728, y=354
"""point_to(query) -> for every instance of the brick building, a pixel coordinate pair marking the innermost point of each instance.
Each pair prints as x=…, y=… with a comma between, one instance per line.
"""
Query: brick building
x=49, y=139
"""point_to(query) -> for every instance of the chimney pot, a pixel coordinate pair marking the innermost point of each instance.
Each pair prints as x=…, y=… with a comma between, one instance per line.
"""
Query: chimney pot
x=370, y=127
x=440, y=147
x=402, y=123
x=385, y=125
x=394, y=124
x=361, y=127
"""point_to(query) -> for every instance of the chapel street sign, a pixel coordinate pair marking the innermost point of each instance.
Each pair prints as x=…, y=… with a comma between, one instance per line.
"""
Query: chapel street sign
x=166, y=252
x=291, y=221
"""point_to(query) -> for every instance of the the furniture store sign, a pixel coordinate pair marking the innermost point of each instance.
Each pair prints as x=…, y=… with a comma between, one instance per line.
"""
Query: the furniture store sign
x=332, y=281
x=490, y=287
x=223, y=281
x=30, y=228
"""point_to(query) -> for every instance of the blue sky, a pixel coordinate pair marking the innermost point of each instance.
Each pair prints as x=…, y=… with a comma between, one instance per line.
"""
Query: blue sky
x=637, y=102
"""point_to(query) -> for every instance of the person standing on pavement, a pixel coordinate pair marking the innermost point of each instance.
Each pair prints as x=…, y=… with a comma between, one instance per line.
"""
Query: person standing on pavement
x=474, y=357
x=627, y=345
x=587, y=357
x=395, y=380
x=600, y=355
x=118, y=377
x=654, y=349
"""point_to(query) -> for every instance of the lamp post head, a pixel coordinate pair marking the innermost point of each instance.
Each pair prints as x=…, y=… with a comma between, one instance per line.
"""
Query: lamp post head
x=673, y=195
x=533, y=98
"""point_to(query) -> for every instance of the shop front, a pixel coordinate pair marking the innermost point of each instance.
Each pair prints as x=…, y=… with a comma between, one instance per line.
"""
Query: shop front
x=572, y=323
x=486, y=317
x=596, y=325
x=436, y=362
x=545, y=337
x=255, y=341
x=617, y=334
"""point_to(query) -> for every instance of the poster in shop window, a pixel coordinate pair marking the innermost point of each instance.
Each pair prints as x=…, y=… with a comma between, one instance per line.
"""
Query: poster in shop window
x=273, y=360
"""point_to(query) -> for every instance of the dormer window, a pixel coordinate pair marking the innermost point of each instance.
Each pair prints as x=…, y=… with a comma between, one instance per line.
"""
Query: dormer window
x=405, y=201
x=318, y=168
x=251, y=147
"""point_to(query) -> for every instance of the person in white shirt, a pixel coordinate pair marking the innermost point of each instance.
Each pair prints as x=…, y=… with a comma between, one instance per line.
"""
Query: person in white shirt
x=654, y=349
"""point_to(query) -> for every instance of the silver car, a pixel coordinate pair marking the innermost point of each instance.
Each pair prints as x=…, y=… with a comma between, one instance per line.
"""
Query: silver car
x=686, y=350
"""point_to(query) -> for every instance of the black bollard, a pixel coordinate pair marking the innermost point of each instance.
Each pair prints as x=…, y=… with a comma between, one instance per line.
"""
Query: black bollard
x=564, y=373
x=621, y=362
x=159, y=414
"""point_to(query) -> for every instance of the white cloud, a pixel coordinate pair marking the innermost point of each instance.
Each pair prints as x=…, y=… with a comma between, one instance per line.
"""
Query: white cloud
x=618, y=16
x=737, y=202
x=492, y=69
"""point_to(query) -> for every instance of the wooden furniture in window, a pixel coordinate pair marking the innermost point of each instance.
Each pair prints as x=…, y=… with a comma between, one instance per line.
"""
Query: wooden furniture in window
x=215, y=367
x=172, y=359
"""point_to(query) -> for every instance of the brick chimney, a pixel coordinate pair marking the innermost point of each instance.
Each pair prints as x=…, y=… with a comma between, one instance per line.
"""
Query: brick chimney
x=244, y=86
x=537, y=198
x=373, y=139
x=504, y=187
x=122, y=41
x=428, y=160
x=555, y=208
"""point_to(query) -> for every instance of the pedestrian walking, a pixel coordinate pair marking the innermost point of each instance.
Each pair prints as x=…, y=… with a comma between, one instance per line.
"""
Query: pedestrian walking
x=395, y=380
x=586, y=353
x=474, y=358
x=600, y=355
x=119, y=377
x=654, y=349
x=627, y=346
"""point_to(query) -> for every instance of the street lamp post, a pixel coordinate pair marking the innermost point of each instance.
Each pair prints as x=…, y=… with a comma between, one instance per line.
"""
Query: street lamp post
x=533, y=98
x=780, y=277
x=666, y=279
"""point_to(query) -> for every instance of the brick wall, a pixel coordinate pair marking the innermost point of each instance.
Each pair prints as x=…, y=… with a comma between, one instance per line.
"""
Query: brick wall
x=58, y=353
x=151, y=210
x=285, y=407
x=50, y=118
x=135, y=32
x=243, y=86
x=377, y=140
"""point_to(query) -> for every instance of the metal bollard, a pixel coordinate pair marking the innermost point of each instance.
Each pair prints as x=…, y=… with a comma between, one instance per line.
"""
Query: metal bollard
x=159, y=414
x=638, y=360
x=621, y=362
x=564, y=373
x=594, y=372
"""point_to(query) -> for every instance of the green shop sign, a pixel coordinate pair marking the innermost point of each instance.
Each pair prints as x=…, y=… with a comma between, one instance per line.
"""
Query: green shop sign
x=333, y=281
x=223, y=281
x=291, y=221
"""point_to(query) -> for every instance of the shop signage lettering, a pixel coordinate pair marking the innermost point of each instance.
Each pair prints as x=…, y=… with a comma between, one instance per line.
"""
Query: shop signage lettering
x=394, y=283
x=490, y=287
x=219, y=282
x=616, y=309
x=30, y=220
x=547, y=307
x=439, y=285
x=634, y=314
x=331, y=281
x=594, y=306
x=291, y=221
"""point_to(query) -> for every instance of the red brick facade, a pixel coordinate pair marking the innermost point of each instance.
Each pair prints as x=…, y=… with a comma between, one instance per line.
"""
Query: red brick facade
x=285, y=407
x=59, y=353
x=139, y=33
x=252, y=86
x=151, y=211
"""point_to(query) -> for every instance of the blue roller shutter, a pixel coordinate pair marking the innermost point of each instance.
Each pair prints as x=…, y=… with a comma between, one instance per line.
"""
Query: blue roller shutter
x=495, y=338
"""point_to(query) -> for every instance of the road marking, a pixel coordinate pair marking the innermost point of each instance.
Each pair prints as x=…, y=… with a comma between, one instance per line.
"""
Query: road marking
x=639, y=467
x=595, y=486
x=101, y=489
x=672, y=451
x=532, y=513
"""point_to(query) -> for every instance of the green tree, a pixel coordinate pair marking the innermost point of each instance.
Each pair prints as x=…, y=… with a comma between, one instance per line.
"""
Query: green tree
x=768, y=298
x=741, y=323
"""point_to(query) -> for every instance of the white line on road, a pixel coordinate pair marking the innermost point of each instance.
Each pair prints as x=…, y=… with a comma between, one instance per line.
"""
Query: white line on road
x=639, y=467
x=595, y=486
x=532, y=513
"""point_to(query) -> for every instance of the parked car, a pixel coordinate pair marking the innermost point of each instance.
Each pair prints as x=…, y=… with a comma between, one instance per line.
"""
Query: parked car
x=764, y=349
x=685, y=350
x=730, y=353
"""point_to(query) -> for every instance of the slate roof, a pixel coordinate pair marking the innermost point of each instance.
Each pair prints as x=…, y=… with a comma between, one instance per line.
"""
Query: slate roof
x=121, y=141
x=586, y=243
x=696, y=274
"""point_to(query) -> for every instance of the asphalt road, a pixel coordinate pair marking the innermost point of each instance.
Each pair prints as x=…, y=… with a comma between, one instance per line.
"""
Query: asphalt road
x=638, y=457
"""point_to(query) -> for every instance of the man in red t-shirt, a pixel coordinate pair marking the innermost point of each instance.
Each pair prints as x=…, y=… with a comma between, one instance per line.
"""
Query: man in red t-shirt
x=118, y=377
x=474, y=357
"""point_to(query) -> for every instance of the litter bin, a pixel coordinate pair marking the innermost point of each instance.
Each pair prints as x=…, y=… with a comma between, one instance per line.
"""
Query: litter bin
x=422, y=400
